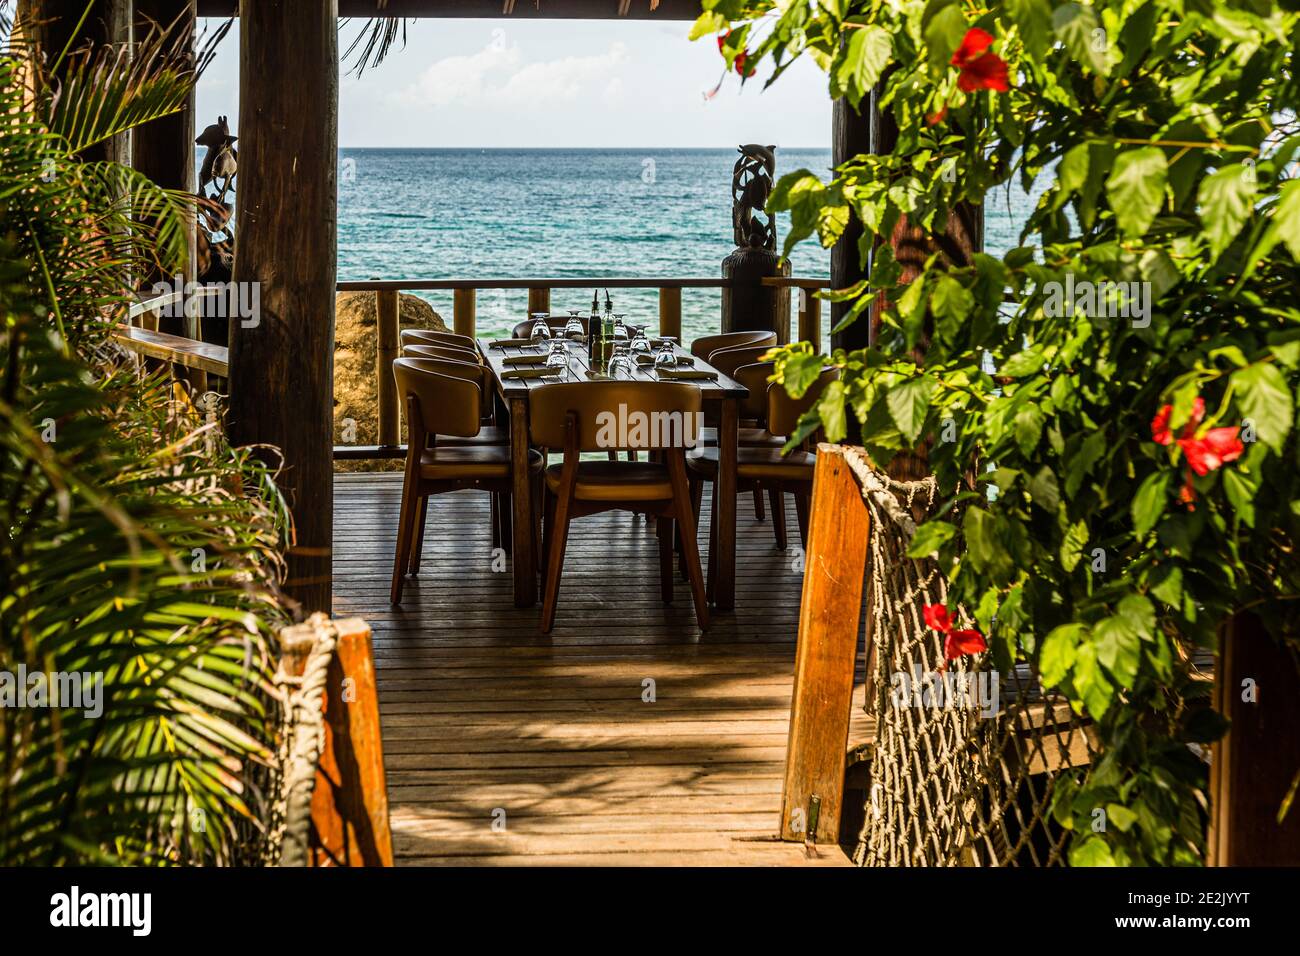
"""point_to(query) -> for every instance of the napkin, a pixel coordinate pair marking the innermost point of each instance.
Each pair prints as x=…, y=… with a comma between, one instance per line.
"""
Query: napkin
x=650, y=360
x=524, y=360
x=509, y=343
x=685, y=374
x=530, y=372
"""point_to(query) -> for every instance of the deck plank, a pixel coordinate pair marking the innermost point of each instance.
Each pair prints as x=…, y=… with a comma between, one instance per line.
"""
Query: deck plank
x=483, y=715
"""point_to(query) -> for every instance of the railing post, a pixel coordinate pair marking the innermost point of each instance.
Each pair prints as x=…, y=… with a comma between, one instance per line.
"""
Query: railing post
x=386, y=335
x=670, y=311
x=463, y=312
x=810, y=318
x=829, y=612
x=539, y=300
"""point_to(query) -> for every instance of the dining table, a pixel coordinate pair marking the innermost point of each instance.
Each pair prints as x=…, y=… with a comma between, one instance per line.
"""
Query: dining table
x=720, y=391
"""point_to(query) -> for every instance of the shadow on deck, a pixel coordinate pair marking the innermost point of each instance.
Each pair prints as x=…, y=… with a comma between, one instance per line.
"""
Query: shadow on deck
x=486, y=721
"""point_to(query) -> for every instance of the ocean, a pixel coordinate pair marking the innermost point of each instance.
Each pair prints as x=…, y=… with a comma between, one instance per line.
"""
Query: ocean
x=513, y=213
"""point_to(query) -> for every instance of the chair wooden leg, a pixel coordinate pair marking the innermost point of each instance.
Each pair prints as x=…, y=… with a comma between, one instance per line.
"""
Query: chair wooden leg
x=555, y=559
x=417, y=545
x=494, y=518
x=667, y=534
x=777, y=497
x=801, y=510
x=405, y=519
x=713, y=545
x=697, y=494
x=682, y=512
x=548, y=531
x=758, y=504
x=506, y=511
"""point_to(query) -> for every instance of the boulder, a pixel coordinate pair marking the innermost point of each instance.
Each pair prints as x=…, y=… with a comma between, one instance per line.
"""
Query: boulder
x=354, y=364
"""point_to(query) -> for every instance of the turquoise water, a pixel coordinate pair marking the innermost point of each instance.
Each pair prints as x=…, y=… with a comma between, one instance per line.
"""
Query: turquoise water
x=510, y=213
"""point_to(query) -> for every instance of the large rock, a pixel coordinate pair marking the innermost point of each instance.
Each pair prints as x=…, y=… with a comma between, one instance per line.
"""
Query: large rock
x=354, y=362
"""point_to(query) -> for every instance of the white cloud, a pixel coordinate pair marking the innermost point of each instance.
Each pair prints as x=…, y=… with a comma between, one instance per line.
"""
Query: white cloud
x=495, y=75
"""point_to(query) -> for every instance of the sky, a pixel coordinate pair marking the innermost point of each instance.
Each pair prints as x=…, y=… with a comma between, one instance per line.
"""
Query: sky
x=553, y=83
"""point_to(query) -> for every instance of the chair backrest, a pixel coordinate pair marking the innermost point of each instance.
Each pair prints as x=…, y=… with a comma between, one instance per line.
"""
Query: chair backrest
x=703, y=347
x=728, y=360
x=755, y=378
x=471, y=371
x=441, y=351
x=617, y=416
x=783, y=412
x=436, y=337
x=556, y=323
x=444, y=404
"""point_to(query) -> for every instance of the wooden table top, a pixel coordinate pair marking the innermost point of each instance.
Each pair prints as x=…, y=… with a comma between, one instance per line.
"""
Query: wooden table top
x=714, y=390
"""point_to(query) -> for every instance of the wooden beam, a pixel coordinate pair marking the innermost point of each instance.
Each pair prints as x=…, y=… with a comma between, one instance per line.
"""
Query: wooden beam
x=175, y=349
x=349, y=806
x=464, y=319
x=163, y=149
x=386, y=335
x=497, y=9
x=829, y=612
x=850, y=136
x=282, y=361
x=810, y=318
x=670, y=312
x=1257, y=687
x=539, y=300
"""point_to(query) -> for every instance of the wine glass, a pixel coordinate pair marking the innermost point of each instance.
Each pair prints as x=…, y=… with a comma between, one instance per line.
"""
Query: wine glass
x=541, y=330
x=573, y=328
x=666, y=357
x=620, y=327
x=620, y=361
x=558, y=358
x=640, y=345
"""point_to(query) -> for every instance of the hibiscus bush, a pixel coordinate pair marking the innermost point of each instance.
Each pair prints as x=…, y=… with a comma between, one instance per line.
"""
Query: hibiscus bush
x=1122, y=383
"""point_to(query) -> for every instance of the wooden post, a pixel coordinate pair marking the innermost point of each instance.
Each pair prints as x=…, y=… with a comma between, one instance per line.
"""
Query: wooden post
x=282, y=360
x=850, y=135
x=349, y=807
x=810, y=318
x=829, y=613
x=464, y=319
x=1257, y=688
x=670, y=312
x=539, y=300
x=163, y=149
x=386, y=334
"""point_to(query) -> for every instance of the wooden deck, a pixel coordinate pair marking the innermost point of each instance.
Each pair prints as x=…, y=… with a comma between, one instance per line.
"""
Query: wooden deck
x=486, y=720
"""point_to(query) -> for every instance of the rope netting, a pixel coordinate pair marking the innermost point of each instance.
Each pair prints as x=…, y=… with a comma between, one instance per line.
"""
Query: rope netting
x=965, y=758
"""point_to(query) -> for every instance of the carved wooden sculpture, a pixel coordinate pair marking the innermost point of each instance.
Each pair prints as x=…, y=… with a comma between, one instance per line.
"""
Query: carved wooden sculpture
x=746, y=303
x=751, y=184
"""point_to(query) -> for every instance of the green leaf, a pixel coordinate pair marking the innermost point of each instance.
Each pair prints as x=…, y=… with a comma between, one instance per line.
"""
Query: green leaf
x=830, y=409
x=1136, y=188
x=1286, y=217
x=929, y=538
x=1023, y=363
x=1119, y=649
x=1077, y=27
x=1265, y=399
x=1058, y=652
x=1091, y=852
x=1149, y=502
x=943, y=34
x=1034, y=18
x=1076, y=536
x=908, y=404
x=1044, y=490
x=865, y=57
x=1226, y=199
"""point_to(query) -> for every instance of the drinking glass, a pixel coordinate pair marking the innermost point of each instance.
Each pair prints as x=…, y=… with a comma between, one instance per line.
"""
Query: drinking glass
x=666, y=357
x=558, y=357
x=620, y=328
x=573, y=327
x=541, y=331
x=620, y=361
x=640, y=345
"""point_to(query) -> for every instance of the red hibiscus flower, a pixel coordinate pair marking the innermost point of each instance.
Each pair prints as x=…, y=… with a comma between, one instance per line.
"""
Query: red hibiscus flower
x=1214, y=449
x=1160, y=424
x=956, y=643
x=980, y=70
x=934, y=119
x=741, y=57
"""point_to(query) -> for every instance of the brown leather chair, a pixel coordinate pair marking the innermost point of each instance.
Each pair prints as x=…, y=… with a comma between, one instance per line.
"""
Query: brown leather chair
x=726, y=360
x=729, y=359
x=437, y=337
x=426, y=350
x=766, y=467
x=574, y=417
x=706, y=345
x=442, y=405
x=431, y=357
